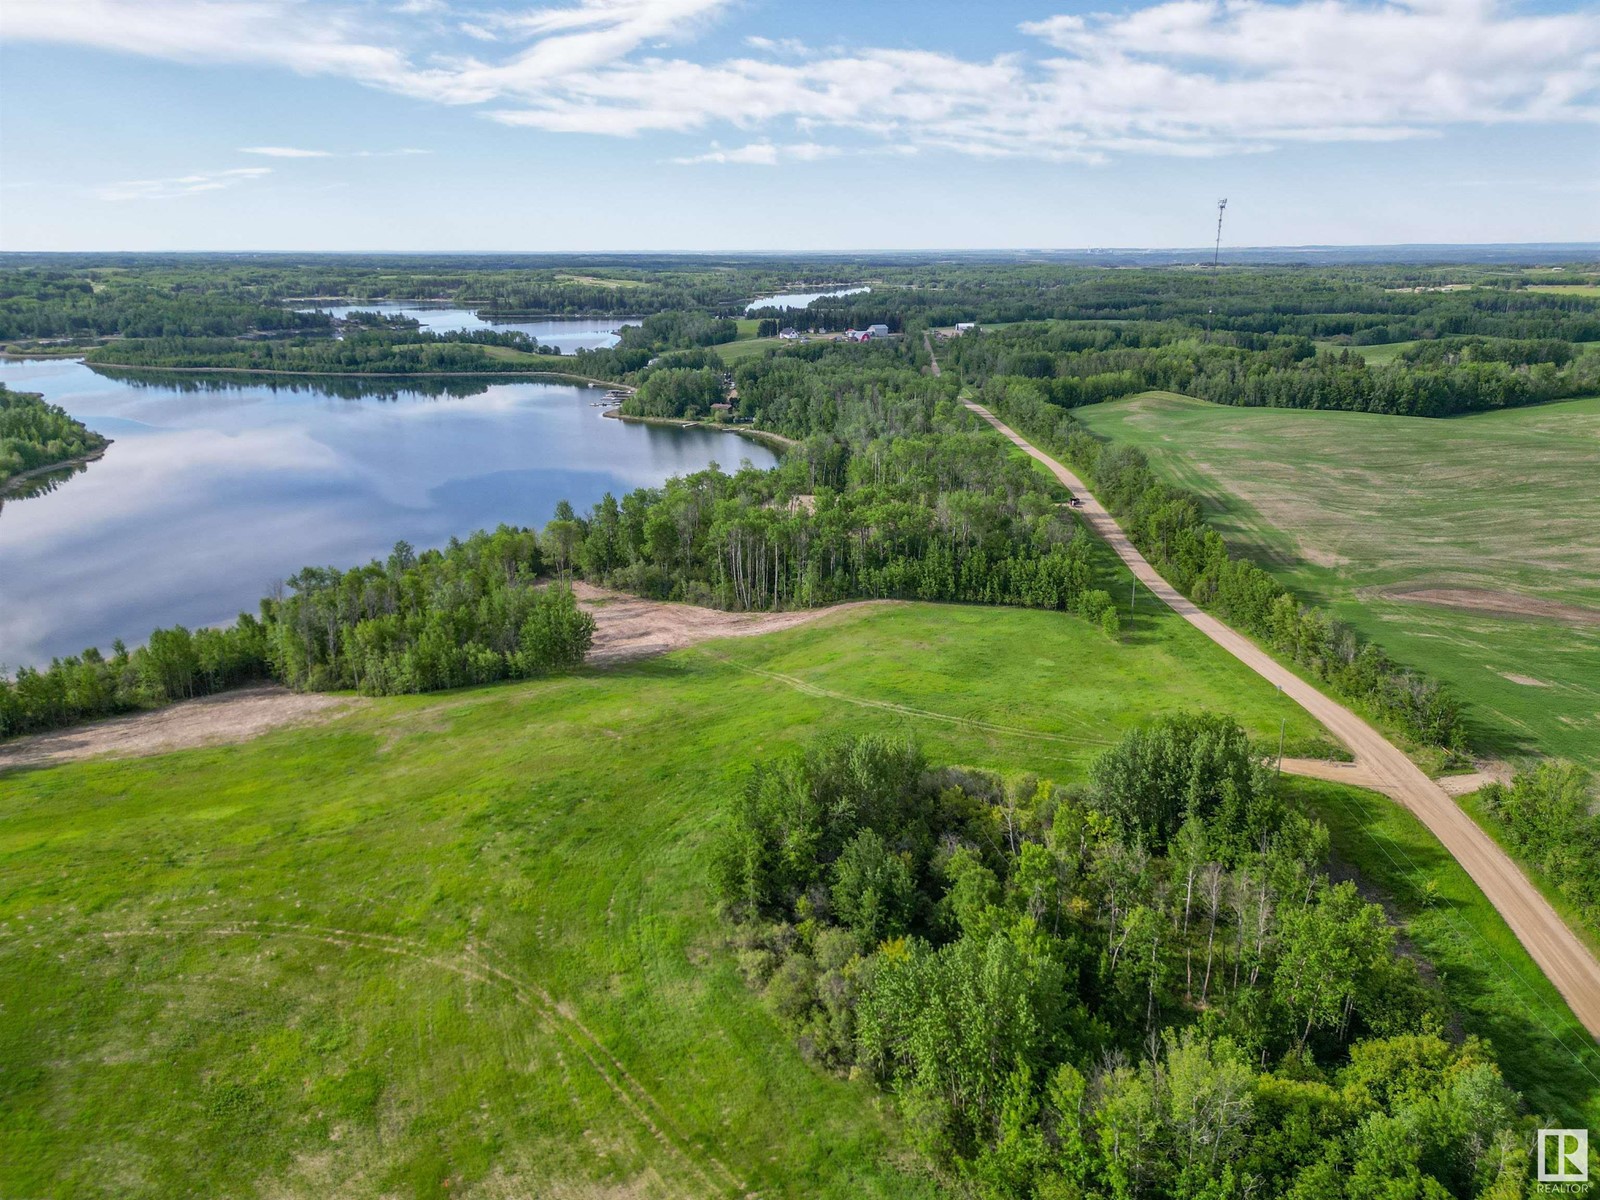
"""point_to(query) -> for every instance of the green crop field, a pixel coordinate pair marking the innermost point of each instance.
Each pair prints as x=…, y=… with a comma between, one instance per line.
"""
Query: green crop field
x=1466, y=547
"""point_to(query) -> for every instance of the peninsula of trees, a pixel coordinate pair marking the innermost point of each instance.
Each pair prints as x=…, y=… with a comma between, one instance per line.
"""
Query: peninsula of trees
x=35, y=436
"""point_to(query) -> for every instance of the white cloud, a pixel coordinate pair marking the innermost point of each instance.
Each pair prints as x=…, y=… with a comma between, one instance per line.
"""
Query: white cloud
x=180, y=185
x=285, y=152
x=763, y=154
x=1178, y=77
x=296, y=152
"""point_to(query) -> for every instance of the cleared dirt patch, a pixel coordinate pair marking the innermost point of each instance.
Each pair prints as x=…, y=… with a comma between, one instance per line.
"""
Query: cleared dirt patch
x=215, y=720
x=1524, y=680
x=1504, y=604
x=628, y=627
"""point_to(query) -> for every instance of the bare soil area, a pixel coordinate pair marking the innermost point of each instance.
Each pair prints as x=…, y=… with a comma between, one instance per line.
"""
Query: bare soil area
x=214, y=720
x=1504, y=604
x=628, y=627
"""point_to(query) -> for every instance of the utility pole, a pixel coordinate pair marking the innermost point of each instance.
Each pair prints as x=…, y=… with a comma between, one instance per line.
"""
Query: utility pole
x=1282, y=722
x=1216, y=254
x=1133, y=594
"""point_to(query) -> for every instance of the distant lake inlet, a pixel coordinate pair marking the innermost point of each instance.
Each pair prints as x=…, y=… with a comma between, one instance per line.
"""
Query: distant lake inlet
x=566, y=334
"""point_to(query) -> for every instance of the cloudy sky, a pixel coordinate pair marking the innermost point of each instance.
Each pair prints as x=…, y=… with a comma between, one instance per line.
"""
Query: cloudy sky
x=801, y=124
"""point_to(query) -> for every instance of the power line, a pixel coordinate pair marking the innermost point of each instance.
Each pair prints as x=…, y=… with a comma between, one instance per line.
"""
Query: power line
x=1216, y=254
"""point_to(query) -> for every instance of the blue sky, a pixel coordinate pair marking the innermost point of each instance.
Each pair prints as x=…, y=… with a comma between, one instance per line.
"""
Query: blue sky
x=753, y=125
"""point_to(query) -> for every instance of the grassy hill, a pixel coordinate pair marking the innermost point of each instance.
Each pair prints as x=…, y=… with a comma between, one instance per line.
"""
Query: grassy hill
x=1465, y=547
x=462, y=944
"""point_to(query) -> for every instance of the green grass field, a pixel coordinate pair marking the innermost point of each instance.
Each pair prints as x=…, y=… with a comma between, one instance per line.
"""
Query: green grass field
x=1375, y=356
x=273, y=968
x=1407, y=528
x=747, y=347
x=1566, y=289
x=534, y=362
x=462, y=944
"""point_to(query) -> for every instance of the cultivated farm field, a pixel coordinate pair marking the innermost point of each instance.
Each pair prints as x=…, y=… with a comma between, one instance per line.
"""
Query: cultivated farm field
x=1466, y=547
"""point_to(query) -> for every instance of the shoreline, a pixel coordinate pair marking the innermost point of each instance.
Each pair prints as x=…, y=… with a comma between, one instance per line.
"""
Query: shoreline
x=509, y=376
x=775, y=441
x=82, y=460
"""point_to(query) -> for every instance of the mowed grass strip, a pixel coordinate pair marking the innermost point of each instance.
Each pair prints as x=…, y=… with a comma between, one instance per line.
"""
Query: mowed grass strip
x=462, y=944
x=1388, y=521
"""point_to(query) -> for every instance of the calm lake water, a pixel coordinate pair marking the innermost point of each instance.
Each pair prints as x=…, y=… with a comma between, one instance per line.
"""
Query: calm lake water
x=566, y=334
x=799, y=299
x=214, y=490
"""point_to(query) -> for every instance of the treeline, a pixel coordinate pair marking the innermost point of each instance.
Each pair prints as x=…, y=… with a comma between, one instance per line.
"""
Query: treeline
x=1549, y=816
x=44, y=304
x=677, y=392
x=1361, y=305
x=1430, y=388
x=368, y=351
x=1085, y=366
x=1169, y=528
x=676, y=339
x=468, y=614
x=1147, y=987
x=894, y=492
x=35, y=434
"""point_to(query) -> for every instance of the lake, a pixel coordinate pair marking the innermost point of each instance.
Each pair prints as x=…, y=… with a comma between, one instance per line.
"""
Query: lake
x=213, y=490
x=799, y=299
x=566, y=334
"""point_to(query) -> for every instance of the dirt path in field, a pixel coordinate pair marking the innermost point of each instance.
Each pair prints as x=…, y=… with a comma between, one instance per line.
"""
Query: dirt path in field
x=235, y=716
x=1564, y=959
x=477, y=964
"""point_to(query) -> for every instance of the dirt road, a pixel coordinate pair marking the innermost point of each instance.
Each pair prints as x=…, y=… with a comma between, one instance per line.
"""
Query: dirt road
x=1566, y=962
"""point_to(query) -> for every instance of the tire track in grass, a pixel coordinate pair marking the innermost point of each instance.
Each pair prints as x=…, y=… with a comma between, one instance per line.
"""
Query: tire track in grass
x=650, y=1113
x=905, y=710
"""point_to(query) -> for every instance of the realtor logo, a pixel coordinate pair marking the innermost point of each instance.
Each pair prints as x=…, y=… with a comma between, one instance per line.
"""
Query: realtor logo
x=1563, y=1156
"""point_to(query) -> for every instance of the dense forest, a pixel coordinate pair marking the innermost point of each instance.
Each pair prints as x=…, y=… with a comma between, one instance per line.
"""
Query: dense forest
x=44, y=296
x=1145, y=986
x=468, y=614
x=34, y=434
x=1077, y=365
